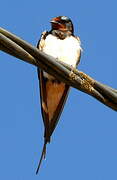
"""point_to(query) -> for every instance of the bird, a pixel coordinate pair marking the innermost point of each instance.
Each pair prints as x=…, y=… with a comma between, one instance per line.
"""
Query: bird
x=61, y=43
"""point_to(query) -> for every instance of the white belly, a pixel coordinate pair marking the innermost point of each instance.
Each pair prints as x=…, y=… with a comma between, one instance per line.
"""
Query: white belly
x=67, y=50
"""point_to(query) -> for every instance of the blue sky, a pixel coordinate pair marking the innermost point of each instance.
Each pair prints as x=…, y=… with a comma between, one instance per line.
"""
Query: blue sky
x=84, y=145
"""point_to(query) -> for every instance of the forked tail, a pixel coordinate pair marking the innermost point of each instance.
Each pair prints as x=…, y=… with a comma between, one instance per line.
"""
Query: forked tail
x=43, y=154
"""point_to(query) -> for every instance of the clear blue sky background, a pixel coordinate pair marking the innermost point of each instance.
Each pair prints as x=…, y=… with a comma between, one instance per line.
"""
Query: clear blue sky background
x=84, y=145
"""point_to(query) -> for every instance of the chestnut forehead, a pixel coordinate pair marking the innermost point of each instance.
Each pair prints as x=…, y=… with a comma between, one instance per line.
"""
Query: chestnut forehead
x=56, y=18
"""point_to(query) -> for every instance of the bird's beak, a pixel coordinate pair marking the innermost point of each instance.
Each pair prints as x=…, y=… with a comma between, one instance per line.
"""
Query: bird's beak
x=54, y=21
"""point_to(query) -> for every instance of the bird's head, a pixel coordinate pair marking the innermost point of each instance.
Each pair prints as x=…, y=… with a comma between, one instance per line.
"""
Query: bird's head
x=62, y=23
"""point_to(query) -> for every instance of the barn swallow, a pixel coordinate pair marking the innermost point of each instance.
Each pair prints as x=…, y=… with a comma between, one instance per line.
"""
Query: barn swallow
x=60, y=43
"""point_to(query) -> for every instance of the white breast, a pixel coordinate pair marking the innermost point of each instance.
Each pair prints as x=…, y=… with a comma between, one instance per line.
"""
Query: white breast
x=67, y=50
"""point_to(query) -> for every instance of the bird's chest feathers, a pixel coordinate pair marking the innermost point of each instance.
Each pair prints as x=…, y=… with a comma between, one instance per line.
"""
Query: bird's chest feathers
x=65, y=50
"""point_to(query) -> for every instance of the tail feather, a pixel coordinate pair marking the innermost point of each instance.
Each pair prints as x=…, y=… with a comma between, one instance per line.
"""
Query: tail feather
x=43, y=154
